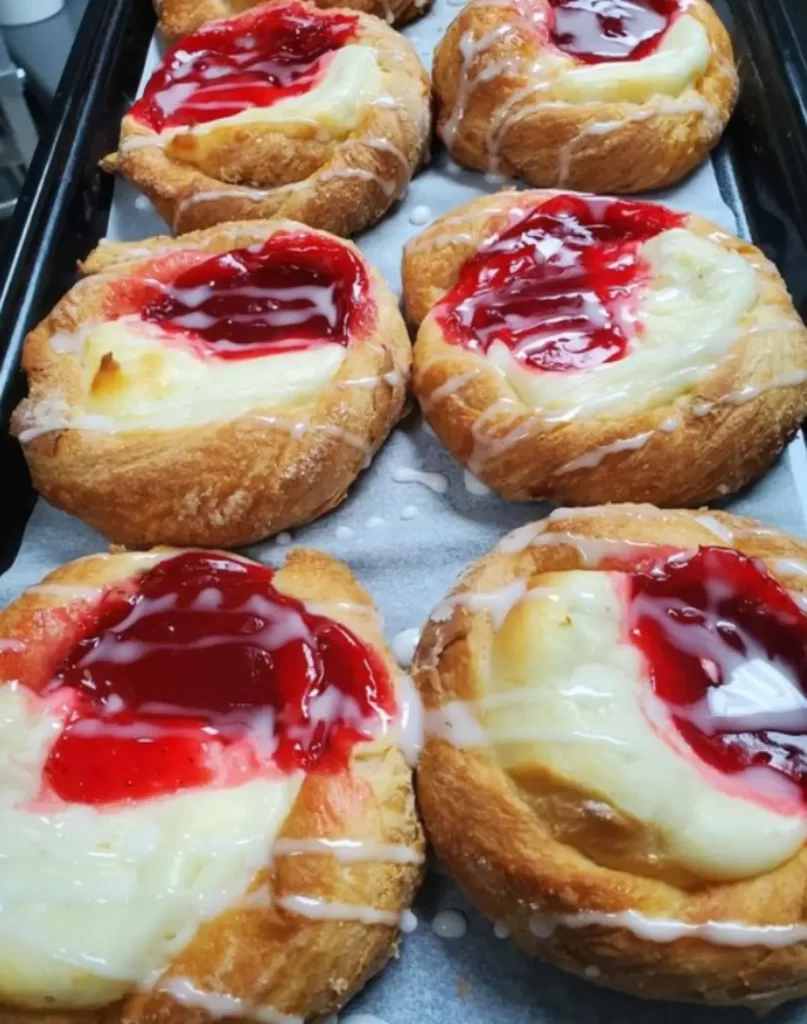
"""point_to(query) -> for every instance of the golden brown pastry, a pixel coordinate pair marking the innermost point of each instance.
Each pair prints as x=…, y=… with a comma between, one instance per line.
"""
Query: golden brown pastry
x=619, y=97
x=589, y=349
x=284, y=110
x=616, y=709
x=215, y=388
x=203, y=804
x=179, y=17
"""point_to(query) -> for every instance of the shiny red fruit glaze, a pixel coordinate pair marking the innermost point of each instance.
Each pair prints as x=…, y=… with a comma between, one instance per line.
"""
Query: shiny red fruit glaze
x=254, y=60
x=599, y=31
x=292, y=292
x=560, y=286
x=202, y=658
x=726, y=648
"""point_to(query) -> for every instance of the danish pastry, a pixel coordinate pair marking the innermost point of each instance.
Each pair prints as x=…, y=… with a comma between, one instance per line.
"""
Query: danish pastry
x=180, y=17
x=587, y=349
x=203, y=803
x=215, y=388
x=282, y=111
x=623, y=96
x=616, y=710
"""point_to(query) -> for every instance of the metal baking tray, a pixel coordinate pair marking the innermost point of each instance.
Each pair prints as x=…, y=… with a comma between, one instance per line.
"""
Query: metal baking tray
x=407, y=541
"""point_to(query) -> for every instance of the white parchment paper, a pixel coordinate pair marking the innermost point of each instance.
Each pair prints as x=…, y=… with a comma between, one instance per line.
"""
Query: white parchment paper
x=408, y=543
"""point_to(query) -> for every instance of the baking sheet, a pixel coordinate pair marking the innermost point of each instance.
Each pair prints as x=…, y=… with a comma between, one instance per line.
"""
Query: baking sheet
x=408, y=542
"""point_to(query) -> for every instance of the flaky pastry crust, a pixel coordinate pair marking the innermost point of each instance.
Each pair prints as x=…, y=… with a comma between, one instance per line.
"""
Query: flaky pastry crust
x=728, y=428
x=225, y=483
x=505, y=853
x=260, y=953
x=179, y=17
x=497, y=109
x=257, y=170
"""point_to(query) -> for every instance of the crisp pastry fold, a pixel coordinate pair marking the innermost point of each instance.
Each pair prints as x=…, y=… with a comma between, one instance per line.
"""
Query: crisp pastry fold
x=615, y=699
x=587, y=349
x=243, y=847
x=283, y=110
x=215, y=388
x=179, y=17
x=569, y=94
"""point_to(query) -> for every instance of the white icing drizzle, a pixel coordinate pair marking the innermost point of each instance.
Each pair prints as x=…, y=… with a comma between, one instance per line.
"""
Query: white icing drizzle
x=420, y=215
x=790, y=567
x=349, y=851
x=487, y=445
x=592, y=550
x=450, y=221
x=436, y=482
x=598, y=455
x=719, y=933
x=362, y=1018
x=798, y=599
x=750, y=392
x=498, y=603
x=452, y=385
x=379, y=144
x=470, y=49
x=219, y=1005
x=404, y=644
x=411, y=723
x=457, y=724
x=662, y=107
x=326, y=910
x=474, y=486
x=717, y=528
x=11, y=645
x=66, y=590
x=449, y=924
x=141, y=142
x=330, y=608
x=408, y=923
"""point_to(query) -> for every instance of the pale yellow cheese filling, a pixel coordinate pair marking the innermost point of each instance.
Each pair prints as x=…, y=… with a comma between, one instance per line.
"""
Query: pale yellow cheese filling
x=680, y=60
x=352, y=80
x=691, y=315
x=566, y=691
x=94, y=901
x=135, y=381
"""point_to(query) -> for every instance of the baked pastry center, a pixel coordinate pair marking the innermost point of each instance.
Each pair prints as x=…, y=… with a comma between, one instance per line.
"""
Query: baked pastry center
x=144, y=777
x=281, y=63
x=583, y=302
x=194, y=335
x=657, y=715
x=595, y=31
x=624, y=51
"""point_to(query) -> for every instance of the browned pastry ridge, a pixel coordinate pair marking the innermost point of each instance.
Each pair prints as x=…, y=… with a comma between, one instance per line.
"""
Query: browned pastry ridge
x=533, y=847
x=179, y=17
x=337, y=181
x=499, y=108
x=709, y=440
x=222, y=483
x=258, y=952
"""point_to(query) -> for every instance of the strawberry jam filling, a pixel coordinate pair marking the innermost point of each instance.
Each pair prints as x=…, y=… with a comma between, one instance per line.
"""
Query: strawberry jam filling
x=561, y=287
x=201, y=672
x=599, y=31
x=292, y=292
x=255, y=60
x=726, y=650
